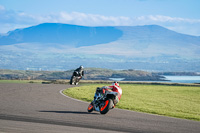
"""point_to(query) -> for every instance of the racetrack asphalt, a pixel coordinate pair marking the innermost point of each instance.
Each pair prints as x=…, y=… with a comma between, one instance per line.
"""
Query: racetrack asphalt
x=39, y=108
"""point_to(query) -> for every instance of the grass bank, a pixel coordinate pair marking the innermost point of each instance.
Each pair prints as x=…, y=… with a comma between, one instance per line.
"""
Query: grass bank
x=22, y=81
x=174, y=101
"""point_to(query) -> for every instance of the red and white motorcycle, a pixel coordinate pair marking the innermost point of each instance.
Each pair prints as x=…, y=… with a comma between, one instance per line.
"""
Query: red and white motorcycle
x=103, y=101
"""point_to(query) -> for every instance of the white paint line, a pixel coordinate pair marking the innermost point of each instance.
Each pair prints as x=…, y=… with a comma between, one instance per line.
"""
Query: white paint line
x=61, y=92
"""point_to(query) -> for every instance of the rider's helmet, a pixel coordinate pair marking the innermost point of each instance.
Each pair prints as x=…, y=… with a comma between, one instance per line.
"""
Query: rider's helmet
x=115, y=83
x=81, y=67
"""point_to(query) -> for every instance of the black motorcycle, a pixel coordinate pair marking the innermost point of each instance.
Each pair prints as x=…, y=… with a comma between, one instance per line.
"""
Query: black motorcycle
x=75, y=78
x=103, y=101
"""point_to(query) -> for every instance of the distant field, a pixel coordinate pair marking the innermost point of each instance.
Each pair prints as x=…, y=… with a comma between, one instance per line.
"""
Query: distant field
x=174, y=101
x=21, y=81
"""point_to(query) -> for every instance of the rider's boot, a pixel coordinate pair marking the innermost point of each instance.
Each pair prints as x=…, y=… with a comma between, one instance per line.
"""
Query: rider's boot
x=113, y=106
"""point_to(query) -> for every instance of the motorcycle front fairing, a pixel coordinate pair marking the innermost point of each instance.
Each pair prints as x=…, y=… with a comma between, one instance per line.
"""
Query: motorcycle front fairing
x=100, y=97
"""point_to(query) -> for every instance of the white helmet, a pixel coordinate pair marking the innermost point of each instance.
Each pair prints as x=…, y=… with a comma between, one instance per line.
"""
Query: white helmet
x=81, y=67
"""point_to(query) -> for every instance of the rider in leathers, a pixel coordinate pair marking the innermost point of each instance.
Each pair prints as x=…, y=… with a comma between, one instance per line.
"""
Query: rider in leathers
x=79, y=72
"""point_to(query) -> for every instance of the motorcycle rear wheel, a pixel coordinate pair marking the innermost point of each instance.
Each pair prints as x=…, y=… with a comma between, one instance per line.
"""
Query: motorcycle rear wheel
x=72, y=81
x=104, y=109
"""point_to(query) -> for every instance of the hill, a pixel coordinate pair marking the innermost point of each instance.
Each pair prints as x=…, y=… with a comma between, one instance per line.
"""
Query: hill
x=90, y=74
x=55, y=46
x=71, y=35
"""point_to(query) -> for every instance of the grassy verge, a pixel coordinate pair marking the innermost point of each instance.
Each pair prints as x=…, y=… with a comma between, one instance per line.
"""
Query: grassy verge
x=174, y=101
x=21, y=81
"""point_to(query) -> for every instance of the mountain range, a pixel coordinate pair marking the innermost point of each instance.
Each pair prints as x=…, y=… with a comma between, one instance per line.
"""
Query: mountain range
x=56, y=46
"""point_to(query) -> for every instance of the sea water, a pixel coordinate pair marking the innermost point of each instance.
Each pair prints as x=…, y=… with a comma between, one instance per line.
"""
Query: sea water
x=183, y=79
x=173, y=79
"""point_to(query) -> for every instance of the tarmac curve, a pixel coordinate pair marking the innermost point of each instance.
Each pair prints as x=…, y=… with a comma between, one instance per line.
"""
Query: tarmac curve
x=39, y=108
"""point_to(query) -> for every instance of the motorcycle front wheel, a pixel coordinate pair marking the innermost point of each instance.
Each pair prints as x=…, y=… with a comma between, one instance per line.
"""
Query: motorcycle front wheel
x=90, y=107
x=106, y=107
x=72, y=80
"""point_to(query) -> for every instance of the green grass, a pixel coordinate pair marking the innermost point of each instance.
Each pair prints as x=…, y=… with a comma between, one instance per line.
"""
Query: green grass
x=174, y=101
x=21, y=81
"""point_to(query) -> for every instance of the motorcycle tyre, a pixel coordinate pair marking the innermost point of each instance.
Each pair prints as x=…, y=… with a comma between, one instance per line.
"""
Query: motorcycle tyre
x=106, y=107
x=72, y=80
x=90, y=109
x=76, y=83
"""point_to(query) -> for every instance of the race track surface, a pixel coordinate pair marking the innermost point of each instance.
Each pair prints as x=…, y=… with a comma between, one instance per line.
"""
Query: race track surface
x=39, y=108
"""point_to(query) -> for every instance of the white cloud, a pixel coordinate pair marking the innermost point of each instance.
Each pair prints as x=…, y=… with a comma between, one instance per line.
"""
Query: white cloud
x=160, y=18
x=87, y=19
x=11, y=20
x=181, y=25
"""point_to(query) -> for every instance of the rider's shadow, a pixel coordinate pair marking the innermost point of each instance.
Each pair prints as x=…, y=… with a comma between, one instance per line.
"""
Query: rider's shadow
x=68, y=112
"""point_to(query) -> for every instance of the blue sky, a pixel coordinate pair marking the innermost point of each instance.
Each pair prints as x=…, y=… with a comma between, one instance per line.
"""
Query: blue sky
x=179, y=15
